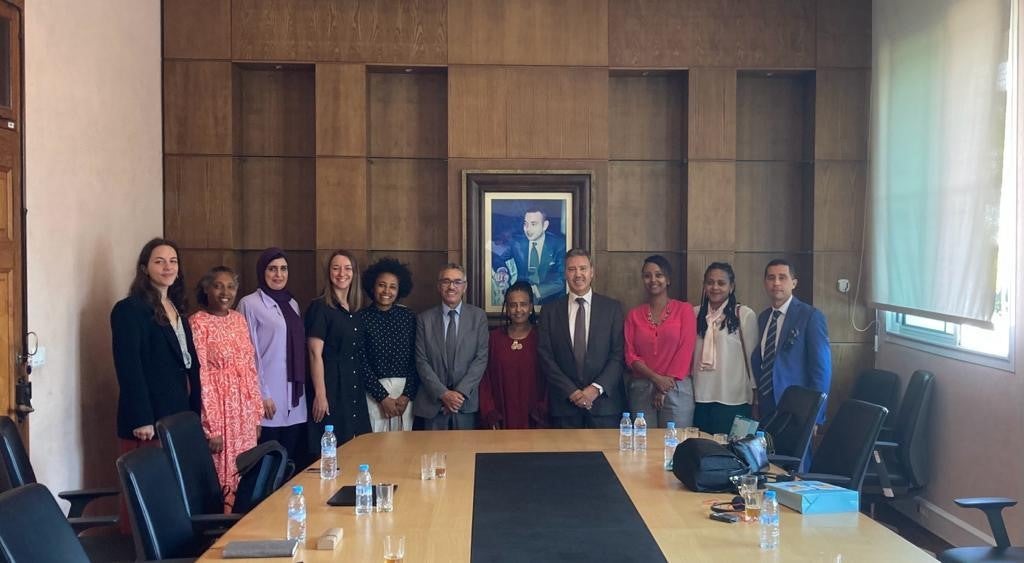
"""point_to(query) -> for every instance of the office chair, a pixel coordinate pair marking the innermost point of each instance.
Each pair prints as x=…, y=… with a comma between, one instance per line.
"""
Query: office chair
x=35, y=529
x=842, y=456
x=899, y=467
x=160, y=522
x=1003, y=551
x=263, y=470
x=792, y=424
x=17, y=472
x=878, y=386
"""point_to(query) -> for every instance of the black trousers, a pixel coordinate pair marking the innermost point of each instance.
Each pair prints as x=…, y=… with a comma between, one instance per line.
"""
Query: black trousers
x=583, y=419
x=294, y=440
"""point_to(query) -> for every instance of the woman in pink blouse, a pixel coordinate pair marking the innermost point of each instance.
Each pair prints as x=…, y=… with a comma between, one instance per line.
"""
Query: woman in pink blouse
x=660, y=336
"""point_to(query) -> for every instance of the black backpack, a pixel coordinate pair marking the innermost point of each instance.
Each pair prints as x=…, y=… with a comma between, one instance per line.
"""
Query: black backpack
x=705, y=466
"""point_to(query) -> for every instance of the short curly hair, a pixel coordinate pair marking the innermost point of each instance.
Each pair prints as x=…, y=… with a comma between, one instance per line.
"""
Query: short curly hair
x=388, y=266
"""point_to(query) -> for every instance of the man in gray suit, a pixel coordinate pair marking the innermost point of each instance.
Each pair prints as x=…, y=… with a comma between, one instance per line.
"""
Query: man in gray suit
x=581, y=351
x=451, y=355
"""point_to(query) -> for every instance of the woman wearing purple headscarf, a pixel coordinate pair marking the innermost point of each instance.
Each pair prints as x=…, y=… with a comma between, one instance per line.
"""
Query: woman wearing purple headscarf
x=279, y=338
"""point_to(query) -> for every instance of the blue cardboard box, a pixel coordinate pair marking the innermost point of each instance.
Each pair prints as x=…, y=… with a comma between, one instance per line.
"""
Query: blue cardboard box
x=815, y=497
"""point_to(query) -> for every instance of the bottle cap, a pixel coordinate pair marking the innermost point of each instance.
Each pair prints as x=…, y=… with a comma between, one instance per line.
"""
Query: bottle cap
x=769, y=494
x=760, y=434
x=640, y=414
x=625, y=414
x=297, y=490
x=670, y=425
x=364, y=467
x=329, y=428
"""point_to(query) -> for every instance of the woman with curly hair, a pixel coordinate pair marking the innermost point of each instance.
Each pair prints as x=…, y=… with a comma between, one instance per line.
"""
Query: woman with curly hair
x=513, y=391
x=390, y=346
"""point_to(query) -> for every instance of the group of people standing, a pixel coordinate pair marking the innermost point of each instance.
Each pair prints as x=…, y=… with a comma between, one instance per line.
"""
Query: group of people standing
x=269, y=371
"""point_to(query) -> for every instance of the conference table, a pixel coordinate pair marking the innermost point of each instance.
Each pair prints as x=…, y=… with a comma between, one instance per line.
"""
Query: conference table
x=436, y=516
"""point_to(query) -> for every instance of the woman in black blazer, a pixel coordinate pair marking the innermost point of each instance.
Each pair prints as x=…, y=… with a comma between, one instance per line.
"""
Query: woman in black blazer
x=155, y=359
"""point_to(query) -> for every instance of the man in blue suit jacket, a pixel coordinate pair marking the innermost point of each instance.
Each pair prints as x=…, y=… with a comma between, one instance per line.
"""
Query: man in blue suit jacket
x=800, y=353
x=539, y=257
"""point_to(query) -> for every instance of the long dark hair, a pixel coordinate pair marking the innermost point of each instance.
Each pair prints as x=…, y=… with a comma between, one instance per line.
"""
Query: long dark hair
x=732, y=320
x=524, y=286
x=204, y=283
x=142, y=287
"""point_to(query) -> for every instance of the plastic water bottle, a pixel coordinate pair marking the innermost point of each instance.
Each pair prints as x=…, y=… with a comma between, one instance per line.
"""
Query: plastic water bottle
x=297, y=515
x=769, y=520
x=625, y=433
x=761, y=438
x=640, y=433
x=364, y=490
x=671, y=441
x=328, y=454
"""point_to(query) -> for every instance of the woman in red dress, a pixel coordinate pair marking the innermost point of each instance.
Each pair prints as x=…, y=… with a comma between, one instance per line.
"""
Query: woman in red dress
x=513, y=393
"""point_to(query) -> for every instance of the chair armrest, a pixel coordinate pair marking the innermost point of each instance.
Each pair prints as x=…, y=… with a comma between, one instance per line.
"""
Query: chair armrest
x=214, y=524
x=886, y=444
x=81, y=523
x=993, y=509
x=985, y=502
x=81, y=497
x=787, y=462
x=838, y=480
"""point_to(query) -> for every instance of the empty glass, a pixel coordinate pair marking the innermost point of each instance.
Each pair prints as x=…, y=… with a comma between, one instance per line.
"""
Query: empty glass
x=385, y=497
x=394, y=549
x=426, y=467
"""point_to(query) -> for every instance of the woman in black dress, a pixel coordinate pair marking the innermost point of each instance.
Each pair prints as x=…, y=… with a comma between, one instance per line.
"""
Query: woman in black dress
x=335, y=340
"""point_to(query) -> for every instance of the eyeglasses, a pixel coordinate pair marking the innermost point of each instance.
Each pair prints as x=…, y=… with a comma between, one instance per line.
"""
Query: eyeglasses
x=447, y=282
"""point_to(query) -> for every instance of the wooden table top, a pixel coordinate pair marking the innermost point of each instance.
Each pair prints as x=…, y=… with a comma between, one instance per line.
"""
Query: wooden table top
x=436, y=517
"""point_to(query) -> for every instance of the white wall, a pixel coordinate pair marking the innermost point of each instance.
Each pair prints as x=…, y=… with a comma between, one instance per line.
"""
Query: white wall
x=94, y=195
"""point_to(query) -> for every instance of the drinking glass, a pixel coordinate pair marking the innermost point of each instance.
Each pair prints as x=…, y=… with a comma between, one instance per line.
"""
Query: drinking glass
x=426, y=467
x=385, y=497
x=722, y=438
x=440, y=465
x=394, y=549
x=752, y=504
x=691, y=432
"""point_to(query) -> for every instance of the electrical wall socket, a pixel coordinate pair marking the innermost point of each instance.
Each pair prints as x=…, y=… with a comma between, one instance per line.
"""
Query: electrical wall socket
x=843, y=285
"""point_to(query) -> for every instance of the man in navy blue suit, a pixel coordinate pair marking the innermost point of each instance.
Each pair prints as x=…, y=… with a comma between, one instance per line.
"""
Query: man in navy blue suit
x=539, y=257
x=794, y=347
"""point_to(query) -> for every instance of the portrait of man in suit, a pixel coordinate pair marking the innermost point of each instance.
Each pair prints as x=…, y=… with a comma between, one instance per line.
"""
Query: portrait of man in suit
x=580, y=350
x=451, y=355
x=536, y=254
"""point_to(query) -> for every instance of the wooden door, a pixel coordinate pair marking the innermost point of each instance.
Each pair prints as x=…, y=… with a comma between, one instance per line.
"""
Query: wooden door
x=12, y=274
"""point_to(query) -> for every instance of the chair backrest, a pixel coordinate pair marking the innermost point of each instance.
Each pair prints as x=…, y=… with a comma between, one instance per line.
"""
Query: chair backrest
x=847, y=445
x=185, y=442
x=35, y=529
x=262, y=470
x=16, y=469
x=878, y=386
x=912, y=427
x=792, y=423
x=160, y=523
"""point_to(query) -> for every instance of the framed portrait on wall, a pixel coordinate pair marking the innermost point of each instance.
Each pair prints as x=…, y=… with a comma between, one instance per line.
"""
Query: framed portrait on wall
x=519, y=227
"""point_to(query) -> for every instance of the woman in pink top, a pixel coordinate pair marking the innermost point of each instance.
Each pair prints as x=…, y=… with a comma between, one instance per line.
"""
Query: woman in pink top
x=660, y=336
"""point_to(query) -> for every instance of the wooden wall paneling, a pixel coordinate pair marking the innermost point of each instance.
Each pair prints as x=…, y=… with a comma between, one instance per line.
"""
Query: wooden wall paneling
x=670, y=33
x=408, y=204
x=844, y=33
x=341, y=109
x=773, y=33
x=320, y=272
x=646, y=206
x=647, y=116
x=711, y=206
x=772, y=115
x=749, y=268
x=200, y=201
x=618, y=275
x=408, y=114
x=558, y=113
x=302, y=275
x=424, y=267
x=278, y=200
x=841, y=114
x=771, y=207
x=197, y=29
x=829, y=267
x=197, y=107
x=478, y=111
x=528, y=32
x=696, y=263
x=410, y=32
x=342, y=204
x=194, y=263
x=840, y=189
x=848, y=360
x=712, y=114
x=278, y=111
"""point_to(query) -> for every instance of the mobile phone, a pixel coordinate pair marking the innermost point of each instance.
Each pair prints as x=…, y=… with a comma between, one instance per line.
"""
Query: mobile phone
x=724, y=517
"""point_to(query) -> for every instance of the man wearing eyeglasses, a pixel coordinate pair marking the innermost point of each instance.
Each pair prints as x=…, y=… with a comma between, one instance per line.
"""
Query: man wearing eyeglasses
x=451, y=355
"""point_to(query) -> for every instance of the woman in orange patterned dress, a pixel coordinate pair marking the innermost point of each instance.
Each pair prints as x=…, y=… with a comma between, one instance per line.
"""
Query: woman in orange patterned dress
x=232, y=405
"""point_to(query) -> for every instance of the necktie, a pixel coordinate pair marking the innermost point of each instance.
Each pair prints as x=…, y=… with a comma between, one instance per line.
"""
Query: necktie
x=579, y=340
x=532, y=265
x=768, y=358
x=449, y=342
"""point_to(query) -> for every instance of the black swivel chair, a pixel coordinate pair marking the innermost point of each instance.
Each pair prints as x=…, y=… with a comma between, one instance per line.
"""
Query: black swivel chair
x=160, y=523
x=878, y=386
x=16, y=471
x=1003, y=551
x=34, y=528
x=792, y=424
x=900, y=466
x=842, y=456
x=263, y=470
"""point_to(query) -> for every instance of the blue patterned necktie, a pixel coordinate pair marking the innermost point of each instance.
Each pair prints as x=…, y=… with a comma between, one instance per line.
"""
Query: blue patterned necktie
x=768, y=358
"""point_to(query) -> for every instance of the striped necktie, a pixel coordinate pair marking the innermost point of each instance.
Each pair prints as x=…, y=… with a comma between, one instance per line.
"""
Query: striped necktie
x=768, y=357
